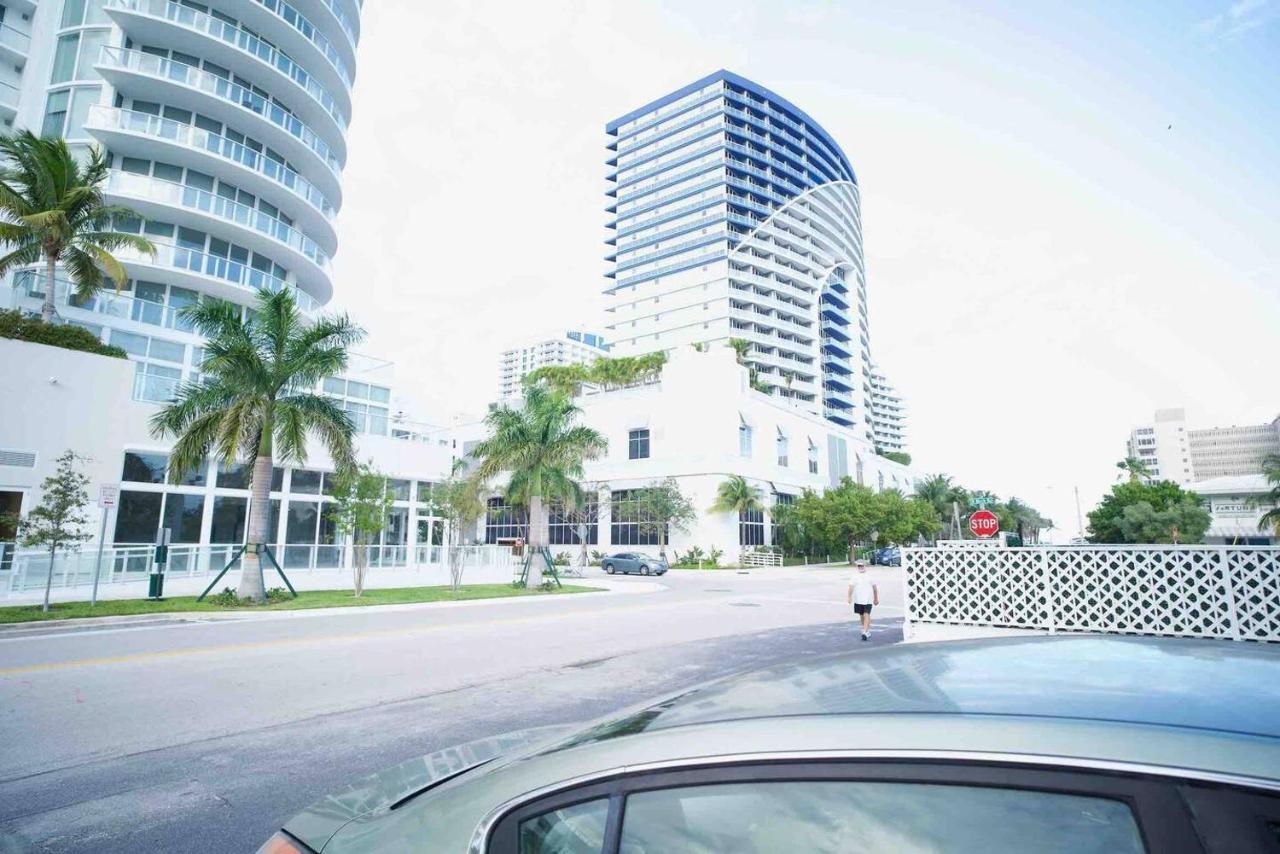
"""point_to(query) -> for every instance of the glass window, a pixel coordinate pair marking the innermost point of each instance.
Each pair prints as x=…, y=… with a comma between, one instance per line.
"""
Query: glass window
x=183, y=515
x=91, y=42
x=378, y=394
x=397, y=530
x=638, y=445
x=567, y=527
x=578, y=829
x=55, y=113
x=301, y=526
x=751, y=527
x=782, y=450
x=168, y=172
x=137, y=517
x=229, y=514
x=627, y=524
x=195, y=476
x=306, y=481
x=355, y=389
x=335, y=385
x=234, y=475
x=81, y=101
x=277, y=479
x=399, y=489
x=64, y=58
x=141, y=467
x=504, y=522
x=167, y=351
x=744, y=440
x=72, y=13
x=883, y=817
x=377, y=425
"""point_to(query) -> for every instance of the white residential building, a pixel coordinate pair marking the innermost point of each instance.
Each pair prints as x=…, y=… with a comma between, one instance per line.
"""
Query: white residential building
x=1173, y=451
x=573, y=347
x=700, y=423
x=735, y=215
x=888, y=414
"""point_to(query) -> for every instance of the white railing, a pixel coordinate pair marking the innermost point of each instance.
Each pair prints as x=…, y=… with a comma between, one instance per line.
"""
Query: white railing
x=760, y=558
x=24, y=571
x=1229, y=592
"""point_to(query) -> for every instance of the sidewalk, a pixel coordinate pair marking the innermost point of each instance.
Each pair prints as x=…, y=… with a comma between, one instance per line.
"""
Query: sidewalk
x=14, y=630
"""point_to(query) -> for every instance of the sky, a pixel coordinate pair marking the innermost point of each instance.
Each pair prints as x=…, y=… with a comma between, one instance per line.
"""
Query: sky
x=1070, y=211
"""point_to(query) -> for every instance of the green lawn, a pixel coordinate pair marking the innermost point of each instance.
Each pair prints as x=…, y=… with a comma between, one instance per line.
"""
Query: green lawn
x=306, y=599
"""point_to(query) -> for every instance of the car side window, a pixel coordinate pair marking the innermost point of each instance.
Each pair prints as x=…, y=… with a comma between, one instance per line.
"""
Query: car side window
x=840, y=816
x=576, y=829
x=1239, y=821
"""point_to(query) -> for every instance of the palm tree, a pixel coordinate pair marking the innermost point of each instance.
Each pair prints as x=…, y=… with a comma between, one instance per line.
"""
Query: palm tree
x=736, y=495
x=1271, y=471
x=543, y=449
x=51, y=209
x=256, y=398
x=945, y=497
x=1136, y=468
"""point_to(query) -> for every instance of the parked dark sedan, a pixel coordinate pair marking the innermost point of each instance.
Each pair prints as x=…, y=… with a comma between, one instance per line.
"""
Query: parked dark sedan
x=1055, y=744
x=890, y=556
x=628, y=562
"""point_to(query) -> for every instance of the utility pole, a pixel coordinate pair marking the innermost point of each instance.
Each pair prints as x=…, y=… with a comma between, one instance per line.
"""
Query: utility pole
x=1079, y=517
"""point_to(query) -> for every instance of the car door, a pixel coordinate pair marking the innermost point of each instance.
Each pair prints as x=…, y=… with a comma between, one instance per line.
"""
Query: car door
x=628, y=562
x=867, y=807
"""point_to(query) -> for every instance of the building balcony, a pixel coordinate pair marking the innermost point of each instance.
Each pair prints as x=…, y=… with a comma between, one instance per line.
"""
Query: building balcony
x=837, y=331
x=154, y=78
x=107, y=303
x=836, y=398
x=843, y=417
x=833, y=364
x=149, y=136
x=8, y=100
x=15, y=44
x=834, y=347
x=212, y=275
x=196, y=208
x=318, y=48
x=194, y=32
x=837, y=383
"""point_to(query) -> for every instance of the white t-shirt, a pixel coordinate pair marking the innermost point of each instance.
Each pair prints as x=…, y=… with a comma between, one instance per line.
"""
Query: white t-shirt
x=863, y=592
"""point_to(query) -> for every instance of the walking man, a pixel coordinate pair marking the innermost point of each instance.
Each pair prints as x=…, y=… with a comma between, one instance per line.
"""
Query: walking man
x=863, y=593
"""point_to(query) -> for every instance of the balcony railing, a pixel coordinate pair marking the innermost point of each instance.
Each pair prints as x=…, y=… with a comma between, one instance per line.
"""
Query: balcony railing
x=106, y=301
x=226, y=269
x=15, y=39
x=8, y=95
x=297, y=21
x=239, y=38
x=181, y=195
x=199, y=139
x=223, y=89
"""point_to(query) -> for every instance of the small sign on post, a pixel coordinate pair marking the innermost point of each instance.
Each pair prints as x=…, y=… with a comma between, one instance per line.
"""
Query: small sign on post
x=984, y=524
x=108, y=497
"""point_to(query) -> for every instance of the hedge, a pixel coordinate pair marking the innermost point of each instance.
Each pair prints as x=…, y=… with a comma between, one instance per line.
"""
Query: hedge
x=14, y=324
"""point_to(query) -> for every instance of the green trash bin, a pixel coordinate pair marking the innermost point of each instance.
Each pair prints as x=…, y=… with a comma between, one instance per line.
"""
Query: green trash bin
x=155, y=585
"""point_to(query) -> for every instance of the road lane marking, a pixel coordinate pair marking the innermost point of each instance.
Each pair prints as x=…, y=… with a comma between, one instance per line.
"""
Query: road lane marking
x=322, y=639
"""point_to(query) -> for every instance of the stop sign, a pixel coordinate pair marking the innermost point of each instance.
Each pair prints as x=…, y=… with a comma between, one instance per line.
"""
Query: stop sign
x=983, y=523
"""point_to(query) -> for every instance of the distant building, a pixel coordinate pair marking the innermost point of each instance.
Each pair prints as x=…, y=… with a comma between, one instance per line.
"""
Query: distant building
x=888, y=414
x=1236, y=505
x=1173, y=452
x=574, y=347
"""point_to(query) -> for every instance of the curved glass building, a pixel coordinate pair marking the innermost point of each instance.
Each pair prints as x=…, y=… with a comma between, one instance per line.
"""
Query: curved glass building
x=733, y=214
x=225, y=122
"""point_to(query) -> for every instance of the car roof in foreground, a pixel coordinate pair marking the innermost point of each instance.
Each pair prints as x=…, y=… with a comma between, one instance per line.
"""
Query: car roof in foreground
x=1218, y=686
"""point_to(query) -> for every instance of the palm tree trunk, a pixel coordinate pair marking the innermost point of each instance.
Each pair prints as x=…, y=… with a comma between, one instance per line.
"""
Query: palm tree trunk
x=537, y=541
x=251, y=583
x=46, y=310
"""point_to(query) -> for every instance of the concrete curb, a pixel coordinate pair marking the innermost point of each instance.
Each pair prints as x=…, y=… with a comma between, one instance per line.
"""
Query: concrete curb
x=39, y=627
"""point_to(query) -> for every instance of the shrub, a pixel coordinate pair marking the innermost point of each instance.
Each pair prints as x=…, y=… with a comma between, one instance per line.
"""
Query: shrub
x=278, y=594
x=226, y=599
x=15, y=325
x=562, y=559
x=596, y=556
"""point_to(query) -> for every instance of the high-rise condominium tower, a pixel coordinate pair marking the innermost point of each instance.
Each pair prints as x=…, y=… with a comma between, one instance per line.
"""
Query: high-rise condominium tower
x=734, y=215
x=225, y=122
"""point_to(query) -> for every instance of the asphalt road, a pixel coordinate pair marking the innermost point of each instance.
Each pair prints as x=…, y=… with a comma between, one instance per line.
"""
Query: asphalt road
x=206, y=736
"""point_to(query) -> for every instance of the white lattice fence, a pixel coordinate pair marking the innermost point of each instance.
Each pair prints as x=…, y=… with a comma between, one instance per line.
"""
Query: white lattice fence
x=1188, y=591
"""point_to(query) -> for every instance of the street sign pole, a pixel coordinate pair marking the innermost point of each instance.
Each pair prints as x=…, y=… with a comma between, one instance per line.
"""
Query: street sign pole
x=108, y=494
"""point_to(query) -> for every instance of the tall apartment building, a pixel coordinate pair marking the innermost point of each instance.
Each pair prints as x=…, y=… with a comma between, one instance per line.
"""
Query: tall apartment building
x=225, y=124
x=1174, y=452
x=888, y=414
x=573, y=347
x=735, y=215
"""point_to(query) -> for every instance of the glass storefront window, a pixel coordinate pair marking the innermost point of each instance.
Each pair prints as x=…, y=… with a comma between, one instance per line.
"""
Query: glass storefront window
x=234, y=475
x=141, y=467
x=183, y=515
x=64, y=58
x=137, y=517
x=229, y=518
x=305, y=481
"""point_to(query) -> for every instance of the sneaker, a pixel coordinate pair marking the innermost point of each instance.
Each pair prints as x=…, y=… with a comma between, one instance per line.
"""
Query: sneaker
x=866, y=636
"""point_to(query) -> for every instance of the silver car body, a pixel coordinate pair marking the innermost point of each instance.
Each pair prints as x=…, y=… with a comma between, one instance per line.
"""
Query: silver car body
x=1187, y=709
